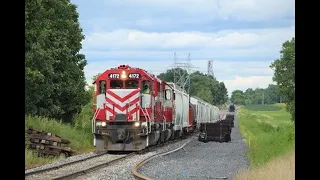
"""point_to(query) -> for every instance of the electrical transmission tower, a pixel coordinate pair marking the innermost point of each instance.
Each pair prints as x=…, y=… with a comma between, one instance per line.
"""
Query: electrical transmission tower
x=181, y=72
x=210, y=68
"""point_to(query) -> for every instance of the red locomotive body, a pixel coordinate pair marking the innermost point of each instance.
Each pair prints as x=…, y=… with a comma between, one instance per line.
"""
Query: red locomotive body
x=133, y=110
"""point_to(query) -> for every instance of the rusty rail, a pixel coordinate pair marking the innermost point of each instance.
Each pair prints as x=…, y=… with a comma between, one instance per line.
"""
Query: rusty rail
x=136, y=167
x=63, y=165
x=94, y=168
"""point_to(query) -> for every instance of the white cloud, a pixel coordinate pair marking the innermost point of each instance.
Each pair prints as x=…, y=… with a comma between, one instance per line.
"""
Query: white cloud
x=126, y=39
x=235, y=74
x=247, y=10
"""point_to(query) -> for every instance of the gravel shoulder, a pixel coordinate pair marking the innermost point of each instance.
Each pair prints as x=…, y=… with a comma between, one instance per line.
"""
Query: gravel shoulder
x=198, y=160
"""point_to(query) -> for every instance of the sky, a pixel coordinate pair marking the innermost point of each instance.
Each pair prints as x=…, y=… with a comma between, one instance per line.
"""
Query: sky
x=242, y=37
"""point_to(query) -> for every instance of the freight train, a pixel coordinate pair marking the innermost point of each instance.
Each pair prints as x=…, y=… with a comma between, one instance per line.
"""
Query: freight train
x=133, y=109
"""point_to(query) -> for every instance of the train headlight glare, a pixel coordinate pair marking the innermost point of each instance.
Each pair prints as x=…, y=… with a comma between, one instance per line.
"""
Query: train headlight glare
x=136, y=124
x=123, y=76
x=103, y=124
x=98, y=123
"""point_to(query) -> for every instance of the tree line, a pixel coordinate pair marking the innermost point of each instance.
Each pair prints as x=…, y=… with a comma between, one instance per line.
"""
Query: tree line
x=269, y=95
x=202, y=85
x=284, y=76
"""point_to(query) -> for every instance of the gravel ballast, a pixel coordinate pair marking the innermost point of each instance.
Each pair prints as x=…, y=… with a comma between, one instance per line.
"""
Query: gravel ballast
x=198, y=160
x=122, y=169
x=62, y=161
x=82, y=165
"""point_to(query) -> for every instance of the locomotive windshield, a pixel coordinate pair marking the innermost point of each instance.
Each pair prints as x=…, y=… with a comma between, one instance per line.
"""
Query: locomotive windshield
x=119, y=84
x=116, y=84
x=132, y=84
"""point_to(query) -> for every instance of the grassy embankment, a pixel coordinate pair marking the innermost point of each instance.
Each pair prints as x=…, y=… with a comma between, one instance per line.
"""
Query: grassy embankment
x=269, y=134
x=78, y=132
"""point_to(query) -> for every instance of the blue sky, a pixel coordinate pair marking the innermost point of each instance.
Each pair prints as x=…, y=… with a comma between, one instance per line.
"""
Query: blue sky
x=242, y=36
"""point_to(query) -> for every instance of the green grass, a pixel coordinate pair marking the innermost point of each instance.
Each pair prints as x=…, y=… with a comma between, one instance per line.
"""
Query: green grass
x=259, y=107
x=78, y=133
x=32, y=159
x=268, y=133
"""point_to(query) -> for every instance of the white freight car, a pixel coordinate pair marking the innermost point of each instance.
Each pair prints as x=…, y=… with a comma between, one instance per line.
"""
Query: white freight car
x=205, y=112
x=181, y=103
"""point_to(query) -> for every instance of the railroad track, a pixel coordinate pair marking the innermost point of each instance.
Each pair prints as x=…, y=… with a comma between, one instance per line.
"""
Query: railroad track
x=65, y=171
x=135, y=168
x=53, y=173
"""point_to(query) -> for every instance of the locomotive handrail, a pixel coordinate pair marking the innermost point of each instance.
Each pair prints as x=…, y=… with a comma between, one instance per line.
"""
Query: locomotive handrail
x=145, y=107
x=94, y=119
x=146, y=116
x=164, y=122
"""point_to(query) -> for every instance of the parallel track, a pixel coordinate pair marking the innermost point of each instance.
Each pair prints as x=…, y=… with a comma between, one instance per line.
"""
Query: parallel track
x=135, y=168
x=84, y=171
x=94, y=168
x=62, y=165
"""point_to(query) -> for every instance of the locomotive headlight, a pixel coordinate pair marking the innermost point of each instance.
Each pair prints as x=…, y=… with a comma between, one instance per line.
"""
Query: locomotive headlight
x=103, y=124
x=98, y=124
x=136, y=124
x=123, y=76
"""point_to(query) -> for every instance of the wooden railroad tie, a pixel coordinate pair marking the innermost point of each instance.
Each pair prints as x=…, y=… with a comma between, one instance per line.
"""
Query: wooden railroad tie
x=46, y=143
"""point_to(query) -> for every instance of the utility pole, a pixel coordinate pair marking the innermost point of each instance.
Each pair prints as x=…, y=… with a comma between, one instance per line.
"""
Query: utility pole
x=263, y=98
x=210, y=68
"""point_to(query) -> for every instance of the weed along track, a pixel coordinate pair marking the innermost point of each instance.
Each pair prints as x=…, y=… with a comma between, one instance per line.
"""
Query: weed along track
x=78, y=167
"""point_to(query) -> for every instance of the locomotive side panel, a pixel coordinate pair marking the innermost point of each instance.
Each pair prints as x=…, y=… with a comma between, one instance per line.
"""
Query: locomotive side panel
x=178, y=115
x=168, y=104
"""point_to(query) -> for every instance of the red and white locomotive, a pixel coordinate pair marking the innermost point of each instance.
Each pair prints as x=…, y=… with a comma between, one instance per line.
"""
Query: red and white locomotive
x=134, y=109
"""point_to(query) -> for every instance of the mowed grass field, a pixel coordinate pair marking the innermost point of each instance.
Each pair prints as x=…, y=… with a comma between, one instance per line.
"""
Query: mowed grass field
x=269, y=134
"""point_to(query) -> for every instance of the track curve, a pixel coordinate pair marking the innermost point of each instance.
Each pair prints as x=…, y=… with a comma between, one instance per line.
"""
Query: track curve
x=135, y=168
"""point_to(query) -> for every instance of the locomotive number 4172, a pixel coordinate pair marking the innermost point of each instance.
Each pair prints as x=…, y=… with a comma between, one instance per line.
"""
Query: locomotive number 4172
x=134, y=75
x=114, y=75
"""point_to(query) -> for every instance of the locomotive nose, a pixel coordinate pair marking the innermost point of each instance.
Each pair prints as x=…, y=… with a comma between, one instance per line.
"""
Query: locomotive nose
x=121, y=136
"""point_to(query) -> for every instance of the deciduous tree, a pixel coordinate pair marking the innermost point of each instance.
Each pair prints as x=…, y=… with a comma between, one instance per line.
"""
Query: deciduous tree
x=284, y=74
x=54, y=77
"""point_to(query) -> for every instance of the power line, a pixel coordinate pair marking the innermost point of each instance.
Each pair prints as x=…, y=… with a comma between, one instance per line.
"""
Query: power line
x=182, y=71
